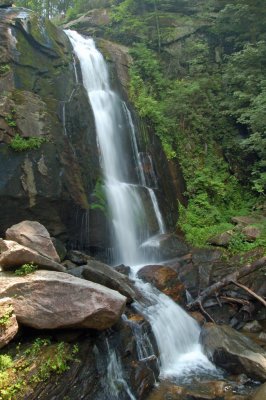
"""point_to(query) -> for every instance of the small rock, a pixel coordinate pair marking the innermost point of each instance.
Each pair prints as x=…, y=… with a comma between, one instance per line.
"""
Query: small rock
x=252, y=327
x=251, y=233
x=223, y=239
x=35, y=236
x=77, y=257
x=198, y=317
x=13, y=255
x=123, y=269
x=8, y=321
x=69, y=264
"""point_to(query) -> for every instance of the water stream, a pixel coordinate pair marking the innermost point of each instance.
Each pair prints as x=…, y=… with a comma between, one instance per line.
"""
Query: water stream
x=177, y=334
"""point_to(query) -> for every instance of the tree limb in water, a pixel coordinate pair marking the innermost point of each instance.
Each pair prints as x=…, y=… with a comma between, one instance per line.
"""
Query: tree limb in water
x=231, y=278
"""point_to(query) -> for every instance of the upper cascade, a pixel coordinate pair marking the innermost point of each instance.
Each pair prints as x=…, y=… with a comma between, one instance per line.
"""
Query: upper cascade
x=125, y=187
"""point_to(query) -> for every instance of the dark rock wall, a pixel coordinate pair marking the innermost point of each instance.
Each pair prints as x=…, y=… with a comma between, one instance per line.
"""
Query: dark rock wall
x=38, y=97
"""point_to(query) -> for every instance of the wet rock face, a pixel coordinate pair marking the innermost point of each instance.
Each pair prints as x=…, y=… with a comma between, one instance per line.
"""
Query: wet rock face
x=40, y=98
x=109, y=367
x=233, y=351
x=166, y=280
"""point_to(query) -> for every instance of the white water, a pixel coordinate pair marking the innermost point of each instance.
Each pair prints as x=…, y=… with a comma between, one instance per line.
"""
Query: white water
x=115, y=376
x=177, y=334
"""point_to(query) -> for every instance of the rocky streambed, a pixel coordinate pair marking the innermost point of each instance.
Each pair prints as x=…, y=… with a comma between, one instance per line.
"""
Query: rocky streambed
x=75, y=333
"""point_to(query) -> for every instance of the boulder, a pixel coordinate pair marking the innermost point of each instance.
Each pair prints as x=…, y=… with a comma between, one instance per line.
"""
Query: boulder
x=34, y=235
x=233, y=351
x=251, y=233
x=14, y=255
x=8, y=322
x=105, y=275
x=52, y=300
x=164, y=247
x=223, y=239
x=166, y=280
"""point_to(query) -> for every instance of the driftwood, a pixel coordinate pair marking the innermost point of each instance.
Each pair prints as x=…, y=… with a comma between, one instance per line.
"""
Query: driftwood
x=253, y=294
x=231, y=278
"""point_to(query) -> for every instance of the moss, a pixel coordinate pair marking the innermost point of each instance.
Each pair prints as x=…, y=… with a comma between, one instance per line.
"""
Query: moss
x=31, y=363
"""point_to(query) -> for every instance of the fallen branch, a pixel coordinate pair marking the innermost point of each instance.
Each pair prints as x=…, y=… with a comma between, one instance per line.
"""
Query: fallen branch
x=259, y=298
x=234, y=300
x=239, y=273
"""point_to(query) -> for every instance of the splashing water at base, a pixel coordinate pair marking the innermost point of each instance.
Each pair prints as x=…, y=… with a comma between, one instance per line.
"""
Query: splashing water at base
x=176, y=333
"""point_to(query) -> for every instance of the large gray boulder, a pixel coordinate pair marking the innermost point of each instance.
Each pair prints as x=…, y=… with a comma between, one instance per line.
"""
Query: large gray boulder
x=8, y=322
x=34, y=235
x=233, y=351
x=13, y=254
x=105, y=275
x=51, y=300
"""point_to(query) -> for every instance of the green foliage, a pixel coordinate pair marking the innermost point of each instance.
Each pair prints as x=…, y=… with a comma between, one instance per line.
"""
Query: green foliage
x=41, y=358
x=5, y=362
x=19, y=143
x=10, y=119
x=26, y=269
x=4, y=68
x=99, y=197
x=5, y=318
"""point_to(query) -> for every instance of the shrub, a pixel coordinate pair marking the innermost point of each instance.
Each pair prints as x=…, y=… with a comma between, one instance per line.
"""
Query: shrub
x=26, y=269
x=19, y=143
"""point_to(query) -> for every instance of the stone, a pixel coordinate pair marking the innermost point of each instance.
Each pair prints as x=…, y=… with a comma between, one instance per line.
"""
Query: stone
x=13, y=255
x=260, y=393
x=53, y=300
x=165, y=247
x=223, y=239
x=246, y=220
x=69, y=264
x=6, y=3
x=77, y=257
x=233, y=351
x=252, y=327
x=35, y=236
x=123, y=269
x=105, y=275
x=8, y=321
x=198, y=317
x=166, y=280
x=251, y=233
x=60, y=248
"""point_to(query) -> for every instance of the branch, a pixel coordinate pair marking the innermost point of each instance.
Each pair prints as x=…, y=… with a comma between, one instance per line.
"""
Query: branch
x=259, y=298
x=246, y=270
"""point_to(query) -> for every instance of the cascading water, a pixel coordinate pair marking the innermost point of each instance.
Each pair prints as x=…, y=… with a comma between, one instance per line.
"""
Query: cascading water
x=177, y=334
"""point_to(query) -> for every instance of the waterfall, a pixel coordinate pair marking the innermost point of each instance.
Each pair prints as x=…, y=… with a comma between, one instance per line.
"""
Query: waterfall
x=177, y=334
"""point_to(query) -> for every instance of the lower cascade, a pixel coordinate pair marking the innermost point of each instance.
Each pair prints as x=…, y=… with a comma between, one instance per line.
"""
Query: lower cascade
x=176, y=333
